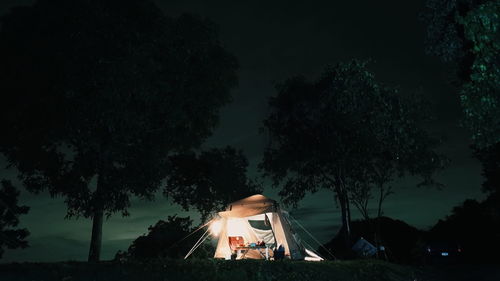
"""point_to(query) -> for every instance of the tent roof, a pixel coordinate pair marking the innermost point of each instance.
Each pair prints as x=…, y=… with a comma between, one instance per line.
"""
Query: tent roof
x=250, y=206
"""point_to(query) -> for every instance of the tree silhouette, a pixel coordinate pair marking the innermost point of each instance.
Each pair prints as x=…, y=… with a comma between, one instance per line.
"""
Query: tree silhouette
x=490, y=159
x=480, y=95
x=172, y=238
x=10, y=236
x=465, y=32
x=480, y=238
x=345, y=132
x=96, y=95
x=445, y=36
x=210, y=180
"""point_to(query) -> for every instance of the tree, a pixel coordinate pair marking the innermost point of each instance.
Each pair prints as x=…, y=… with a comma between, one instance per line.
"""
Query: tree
x=209, y=180
x=466, y=32
x=480, y=95
x=445, y=37
x=344, y=133
x=360, y=195
x=490, y=159
x=10, y=236
x=172, y=238
x=403, y=148
x=96, y=95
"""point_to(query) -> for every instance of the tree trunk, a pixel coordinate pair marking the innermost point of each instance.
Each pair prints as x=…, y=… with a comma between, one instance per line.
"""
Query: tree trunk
x=343, y=197
x=380, y=200
x=98, y=208
x=97, y=220
x=96, y=240
x=378, y=230
x=346, y=218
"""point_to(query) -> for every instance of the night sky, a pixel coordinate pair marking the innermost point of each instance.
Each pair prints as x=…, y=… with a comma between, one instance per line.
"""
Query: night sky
x=272, y=42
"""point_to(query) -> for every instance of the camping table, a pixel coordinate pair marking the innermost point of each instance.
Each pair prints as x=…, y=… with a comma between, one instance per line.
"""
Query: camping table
x=244, y=251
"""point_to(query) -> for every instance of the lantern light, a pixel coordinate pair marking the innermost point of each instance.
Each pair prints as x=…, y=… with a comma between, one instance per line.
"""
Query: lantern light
x=215, y=227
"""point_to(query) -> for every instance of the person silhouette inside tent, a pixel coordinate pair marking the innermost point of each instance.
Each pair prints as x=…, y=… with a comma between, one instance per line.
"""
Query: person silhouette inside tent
x=279, y=254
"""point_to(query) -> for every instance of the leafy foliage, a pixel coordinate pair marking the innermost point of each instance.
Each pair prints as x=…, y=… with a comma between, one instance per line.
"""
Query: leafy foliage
x=490, y=159
x=466, y=32
x=312, y=130
x=343, y=132
x=96, y=95
x=210, y=180
x=480, y=96
x=165, y=240
x=106, y=88
x=445, y=36
x=10, y=236
x=360, y=196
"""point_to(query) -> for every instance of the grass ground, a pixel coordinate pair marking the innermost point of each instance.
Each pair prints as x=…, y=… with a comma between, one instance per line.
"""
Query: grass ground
x=207, y=270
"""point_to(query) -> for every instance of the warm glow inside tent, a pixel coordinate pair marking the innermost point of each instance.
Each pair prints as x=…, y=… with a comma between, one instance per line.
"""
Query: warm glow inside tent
x=249, y=222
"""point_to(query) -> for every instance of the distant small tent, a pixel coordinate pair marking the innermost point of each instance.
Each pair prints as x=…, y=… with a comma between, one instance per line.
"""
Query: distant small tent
x=258, y=220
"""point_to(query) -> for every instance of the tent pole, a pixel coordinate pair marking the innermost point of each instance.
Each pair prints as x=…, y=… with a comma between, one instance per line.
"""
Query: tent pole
x=197, y=244
x=194, y=231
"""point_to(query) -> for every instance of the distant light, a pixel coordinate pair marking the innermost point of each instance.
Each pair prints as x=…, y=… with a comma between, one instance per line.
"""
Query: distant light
x=444, y=254
x=215, y=227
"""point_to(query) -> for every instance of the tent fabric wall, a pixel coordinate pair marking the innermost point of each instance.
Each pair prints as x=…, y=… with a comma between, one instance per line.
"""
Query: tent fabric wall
x=312, y=256
x=292, y=248
x=256, y=207
x=234, y=227
x=265, y=235
x=250, y=206
x=223, y=251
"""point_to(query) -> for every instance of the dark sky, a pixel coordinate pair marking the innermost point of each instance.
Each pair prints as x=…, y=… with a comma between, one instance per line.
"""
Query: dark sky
x=273, y=41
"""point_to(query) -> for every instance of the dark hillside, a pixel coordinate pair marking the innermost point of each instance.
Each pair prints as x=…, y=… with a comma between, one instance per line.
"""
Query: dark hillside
x=401, y=241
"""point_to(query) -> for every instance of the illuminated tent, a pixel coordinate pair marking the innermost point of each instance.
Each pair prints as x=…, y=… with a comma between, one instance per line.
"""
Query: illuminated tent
x=255, y=219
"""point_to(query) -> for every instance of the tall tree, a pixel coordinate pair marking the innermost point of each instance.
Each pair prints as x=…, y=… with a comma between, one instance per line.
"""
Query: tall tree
x=445, y=36
x=11, y=237
x=474, y=26
x=210, y=180
x=403, y=147
x=360, y=195
x=480, y=95
x=96, y=95
x=466, y=33
x=343, y=132
x=490, y=159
